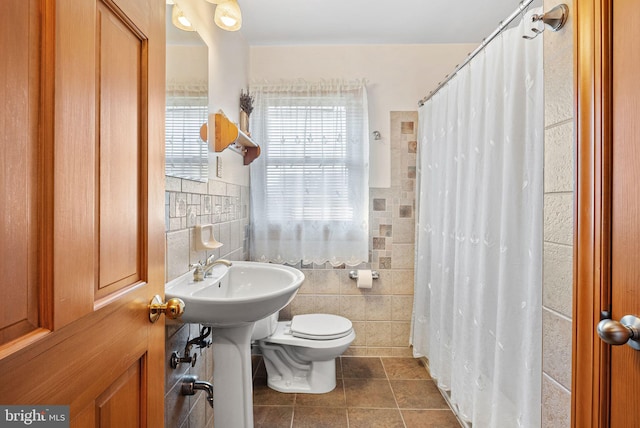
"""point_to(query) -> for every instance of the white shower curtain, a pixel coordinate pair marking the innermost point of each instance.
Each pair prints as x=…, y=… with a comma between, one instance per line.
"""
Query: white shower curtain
x=478, y=286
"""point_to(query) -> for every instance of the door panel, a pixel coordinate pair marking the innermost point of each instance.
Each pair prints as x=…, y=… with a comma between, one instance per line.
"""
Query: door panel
x=76, y=364
x=625, y=269
x=118, y=405
x=18, y=169
x=71, y=112
x=121, y=64
x=93, y=203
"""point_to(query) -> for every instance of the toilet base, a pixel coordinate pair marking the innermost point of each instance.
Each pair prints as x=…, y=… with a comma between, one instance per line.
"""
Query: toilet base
x=320, y=378
x=299, y=365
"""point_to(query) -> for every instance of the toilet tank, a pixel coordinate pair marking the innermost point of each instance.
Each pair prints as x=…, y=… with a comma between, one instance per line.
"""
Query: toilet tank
x=265, y=327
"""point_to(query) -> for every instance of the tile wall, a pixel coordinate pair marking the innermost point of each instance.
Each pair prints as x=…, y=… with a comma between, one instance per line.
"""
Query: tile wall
x=381, y=315
x=188, y=203
x=559, y=164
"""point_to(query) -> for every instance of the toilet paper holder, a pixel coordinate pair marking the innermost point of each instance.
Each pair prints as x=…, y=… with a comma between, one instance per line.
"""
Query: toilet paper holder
x=354, y=274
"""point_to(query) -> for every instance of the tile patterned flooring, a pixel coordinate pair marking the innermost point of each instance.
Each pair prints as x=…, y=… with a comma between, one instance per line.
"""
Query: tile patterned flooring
x=371, y=392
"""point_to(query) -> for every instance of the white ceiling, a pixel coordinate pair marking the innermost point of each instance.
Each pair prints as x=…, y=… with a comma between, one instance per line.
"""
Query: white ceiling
x=296, y=22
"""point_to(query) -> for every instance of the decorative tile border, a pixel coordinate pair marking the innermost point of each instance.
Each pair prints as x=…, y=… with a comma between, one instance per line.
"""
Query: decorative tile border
x=189, y=203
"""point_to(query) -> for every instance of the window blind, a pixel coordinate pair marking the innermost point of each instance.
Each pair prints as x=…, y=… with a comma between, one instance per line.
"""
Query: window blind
x=186, y=153
x=309, y=188
x=308, y=149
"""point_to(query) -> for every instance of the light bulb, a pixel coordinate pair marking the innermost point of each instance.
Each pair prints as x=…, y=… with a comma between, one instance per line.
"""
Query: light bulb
x=228, y=15
x=228, y=21
x=179, y=20
x=184, y=21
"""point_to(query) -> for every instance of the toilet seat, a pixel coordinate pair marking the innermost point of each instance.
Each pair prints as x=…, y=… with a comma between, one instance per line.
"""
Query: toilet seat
x=320, y=326
x=283, y=336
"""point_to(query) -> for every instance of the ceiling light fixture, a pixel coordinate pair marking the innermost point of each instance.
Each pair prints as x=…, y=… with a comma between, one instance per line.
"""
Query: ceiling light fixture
x=179, y=20
x=227, y=15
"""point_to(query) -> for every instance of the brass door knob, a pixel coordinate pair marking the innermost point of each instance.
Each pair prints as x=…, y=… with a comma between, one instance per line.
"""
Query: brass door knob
x=173, y=309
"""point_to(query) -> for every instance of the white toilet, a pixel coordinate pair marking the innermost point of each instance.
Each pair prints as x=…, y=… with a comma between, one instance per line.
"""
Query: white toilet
x=300, y=354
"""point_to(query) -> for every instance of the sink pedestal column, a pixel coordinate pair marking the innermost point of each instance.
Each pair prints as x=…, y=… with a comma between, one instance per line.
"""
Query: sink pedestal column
x=232, y=380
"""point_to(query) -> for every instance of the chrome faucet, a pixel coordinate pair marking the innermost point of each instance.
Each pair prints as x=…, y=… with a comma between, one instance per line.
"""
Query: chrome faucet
x=191, y=384
x=203, y=269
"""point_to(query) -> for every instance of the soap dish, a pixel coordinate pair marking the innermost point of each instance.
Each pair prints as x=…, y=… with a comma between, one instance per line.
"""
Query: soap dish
x=205, y=240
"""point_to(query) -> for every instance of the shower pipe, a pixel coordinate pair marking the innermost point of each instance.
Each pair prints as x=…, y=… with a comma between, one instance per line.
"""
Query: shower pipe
x=503, y=25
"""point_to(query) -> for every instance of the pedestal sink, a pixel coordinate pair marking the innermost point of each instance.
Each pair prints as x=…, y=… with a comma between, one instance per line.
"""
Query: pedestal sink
x=231, y=300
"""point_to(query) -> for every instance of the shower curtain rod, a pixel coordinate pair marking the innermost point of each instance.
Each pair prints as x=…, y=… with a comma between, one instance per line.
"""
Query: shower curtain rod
x=523, y=5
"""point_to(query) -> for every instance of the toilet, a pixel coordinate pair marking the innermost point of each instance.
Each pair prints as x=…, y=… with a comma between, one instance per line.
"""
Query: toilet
x=300, y=355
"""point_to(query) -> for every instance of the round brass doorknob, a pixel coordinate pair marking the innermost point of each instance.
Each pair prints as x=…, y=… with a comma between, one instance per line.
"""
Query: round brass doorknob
x=173, y=309
x=625, y=331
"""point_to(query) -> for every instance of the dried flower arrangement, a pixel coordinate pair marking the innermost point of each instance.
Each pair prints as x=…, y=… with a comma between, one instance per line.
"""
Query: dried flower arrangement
x=246, y=102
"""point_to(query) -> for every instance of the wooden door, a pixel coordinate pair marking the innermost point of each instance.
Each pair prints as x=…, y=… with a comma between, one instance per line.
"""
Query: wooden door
x=625, y=207
x=82, y=223
x=606, y=380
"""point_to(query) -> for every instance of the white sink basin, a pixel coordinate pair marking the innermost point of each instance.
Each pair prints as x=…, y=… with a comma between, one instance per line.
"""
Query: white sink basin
x=243, y=293
x=230, y=301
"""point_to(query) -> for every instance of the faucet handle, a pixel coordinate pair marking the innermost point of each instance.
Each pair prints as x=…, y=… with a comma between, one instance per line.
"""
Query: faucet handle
x=210, y=259
x=198, y=273
x=176, y=360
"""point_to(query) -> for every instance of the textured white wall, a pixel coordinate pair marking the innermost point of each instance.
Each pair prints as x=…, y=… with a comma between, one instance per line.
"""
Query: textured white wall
x=398, y=76
x=557, y=295
x=195, y=56
x=228, y=75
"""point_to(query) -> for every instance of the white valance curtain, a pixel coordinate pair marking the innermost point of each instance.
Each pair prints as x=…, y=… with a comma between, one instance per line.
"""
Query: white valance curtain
x=310, y=186
x=477, y=310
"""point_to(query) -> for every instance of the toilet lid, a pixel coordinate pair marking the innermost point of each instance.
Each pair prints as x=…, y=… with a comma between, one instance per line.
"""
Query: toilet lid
x=320, y=326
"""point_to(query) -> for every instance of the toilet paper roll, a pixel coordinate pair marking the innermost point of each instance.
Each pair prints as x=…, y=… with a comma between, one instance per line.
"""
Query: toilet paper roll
x=365, y=279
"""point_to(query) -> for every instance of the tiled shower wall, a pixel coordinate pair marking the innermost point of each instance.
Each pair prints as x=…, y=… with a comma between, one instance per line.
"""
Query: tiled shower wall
x=381, y=315
x=558, y=223
x=188, y=203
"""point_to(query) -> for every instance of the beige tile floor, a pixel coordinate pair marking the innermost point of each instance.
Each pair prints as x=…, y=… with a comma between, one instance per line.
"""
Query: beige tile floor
x=371, y=392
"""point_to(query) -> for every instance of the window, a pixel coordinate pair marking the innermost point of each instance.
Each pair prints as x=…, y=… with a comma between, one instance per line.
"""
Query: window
x=312, y=151
x=186, y=155
x=310, y=187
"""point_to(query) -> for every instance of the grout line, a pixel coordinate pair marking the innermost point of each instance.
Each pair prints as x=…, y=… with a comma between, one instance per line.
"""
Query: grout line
x=555, y=383
x=559, y=192
x=346, y=409
x=565, y=246
x=425, y=362
x=375, y=408
x=293, y=412
x=402, y=418
x=274, y=405
x=546, y=241
x=344, y=390
x=393, y=393
x=556, y=313
x=560, y=123
x=344, y=387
